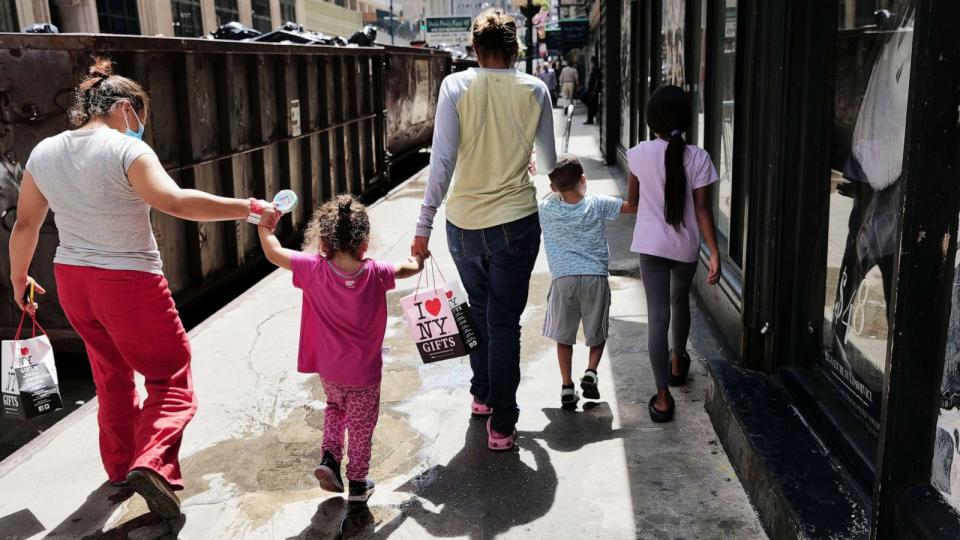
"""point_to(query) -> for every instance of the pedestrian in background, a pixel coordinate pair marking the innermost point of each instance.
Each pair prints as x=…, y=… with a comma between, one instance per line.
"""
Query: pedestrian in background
x=488, y=121
x=592, y=92
x=550, y=79
x=569, y=83
x=343, y=321
x=671, y=182
x=101, y=180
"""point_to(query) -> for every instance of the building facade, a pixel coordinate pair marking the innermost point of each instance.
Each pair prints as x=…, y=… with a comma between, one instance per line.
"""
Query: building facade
x=185, y=18
x=833, y=125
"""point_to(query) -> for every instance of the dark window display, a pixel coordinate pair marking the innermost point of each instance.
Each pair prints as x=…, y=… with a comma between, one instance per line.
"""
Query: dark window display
x=945, y=473
x=628, y=52
x=261, y=15
x=672, y=38
x=8, y=16
x=118, y=16
x=227, y=11
x=872, y=86
x=724, y=72
x=288, y=10
x=187, y=20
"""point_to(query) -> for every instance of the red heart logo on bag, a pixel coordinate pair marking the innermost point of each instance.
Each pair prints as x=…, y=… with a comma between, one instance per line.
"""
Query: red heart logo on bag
x=449, y=294
x=24, y=351
x=433, y=306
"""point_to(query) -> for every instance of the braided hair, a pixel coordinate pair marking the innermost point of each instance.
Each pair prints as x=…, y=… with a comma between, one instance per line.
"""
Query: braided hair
x=97, y=94
x=339, y=225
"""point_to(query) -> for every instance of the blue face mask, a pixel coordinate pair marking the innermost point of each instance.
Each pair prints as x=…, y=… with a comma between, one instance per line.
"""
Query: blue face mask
x=131, y=133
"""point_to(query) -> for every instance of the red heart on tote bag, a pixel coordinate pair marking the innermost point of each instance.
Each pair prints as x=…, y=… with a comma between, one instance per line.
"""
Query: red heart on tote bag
x=433, y=306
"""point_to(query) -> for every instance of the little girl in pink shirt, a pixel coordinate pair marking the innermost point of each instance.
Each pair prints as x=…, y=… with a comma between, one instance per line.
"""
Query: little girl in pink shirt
x=342, y=326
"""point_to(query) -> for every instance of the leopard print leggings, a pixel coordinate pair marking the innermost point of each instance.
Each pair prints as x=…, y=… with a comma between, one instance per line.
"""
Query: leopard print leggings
x=354, y=409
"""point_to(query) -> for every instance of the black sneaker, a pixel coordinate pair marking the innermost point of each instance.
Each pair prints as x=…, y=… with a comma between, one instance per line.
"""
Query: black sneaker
x=328, y=474
x=154, y=489
x=589, y=385
x=360, y=490
x=568, y=397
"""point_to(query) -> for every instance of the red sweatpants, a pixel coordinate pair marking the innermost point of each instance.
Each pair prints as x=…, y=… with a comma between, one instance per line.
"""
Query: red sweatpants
x=128, y=322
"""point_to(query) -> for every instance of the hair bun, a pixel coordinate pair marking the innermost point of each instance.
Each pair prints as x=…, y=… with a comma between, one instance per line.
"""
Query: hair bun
x=101, y=68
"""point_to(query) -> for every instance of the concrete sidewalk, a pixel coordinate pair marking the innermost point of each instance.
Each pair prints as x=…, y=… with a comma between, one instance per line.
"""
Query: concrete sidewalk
x=604, y=471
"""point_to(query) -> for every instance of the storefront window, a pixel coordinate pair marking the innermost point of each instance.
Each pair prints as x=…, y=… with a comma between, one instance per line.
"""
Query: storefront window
x=724, y=72
x=288, y=10
x=945, y=472
x=697, y=72
x=672, y=36
x=261, y=15
x=872, y=85
x=187, y=21
x=227, y=11
x=8, y=16
x=118, y=16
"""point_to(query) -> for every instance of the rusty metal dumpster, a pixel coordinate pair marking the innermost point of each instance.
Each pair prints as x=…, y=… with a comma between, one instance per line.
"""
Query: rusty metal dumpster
x=236, y=119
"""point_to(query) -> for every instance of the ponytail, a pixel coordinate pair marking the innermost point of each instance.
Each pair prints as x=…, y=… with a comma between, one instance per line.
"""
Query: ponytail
x=675, y=187
x=339, y=225
x=669, y=115
x=100, y=90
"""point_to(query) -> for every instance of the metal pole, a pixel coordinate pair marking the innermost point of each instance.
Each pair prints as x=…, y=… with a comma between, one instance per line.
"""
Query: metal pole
x=391, y=21
x=529, y=15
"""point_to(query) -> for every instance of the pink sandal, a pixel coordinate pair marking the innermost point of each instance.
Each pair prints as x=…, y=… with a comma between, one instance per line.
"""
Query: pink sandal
x=478, y=408
x=497, y=441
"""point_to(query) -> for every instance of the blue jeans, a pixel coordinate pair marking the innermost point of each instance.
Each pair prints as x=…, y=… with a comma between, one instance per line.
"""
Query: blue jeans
x=495, y=266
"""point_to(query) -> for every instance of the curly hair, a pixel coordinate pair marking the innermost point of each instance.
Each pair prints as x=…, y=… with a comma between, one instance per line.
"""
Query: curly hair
x=495, y=32
x=339, y=225
x=96, y=95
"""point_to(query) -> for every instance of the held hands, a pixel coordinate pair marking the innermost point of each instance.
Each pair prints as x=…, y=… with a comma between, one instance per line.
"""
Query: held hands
x=264, y=214
x=417, y=260
x=420, y=248
x=713, y=276
x=21, y=289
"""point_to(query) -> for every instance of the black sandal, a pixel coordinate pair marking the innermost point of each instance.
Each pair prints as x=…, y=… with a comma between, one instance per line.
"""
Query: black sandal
x=684, y=365
x=659, y=416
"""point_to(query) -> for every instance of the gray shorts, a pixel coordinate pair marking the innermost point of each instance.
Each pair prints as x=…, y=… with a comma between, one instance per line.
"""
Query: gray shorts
x=578, y=298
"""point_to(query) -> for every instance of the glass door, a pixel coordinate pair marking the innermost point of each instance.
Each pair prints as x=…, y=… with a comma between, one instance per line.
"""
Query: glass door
x=873, y=54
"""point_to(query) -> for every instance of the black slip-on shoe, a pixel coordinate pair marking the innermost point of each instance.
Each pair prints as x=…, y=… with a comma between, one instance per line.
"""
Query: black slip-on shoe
x=328, y=474
x=161, y=500
x=659, y=416
x=684, y=361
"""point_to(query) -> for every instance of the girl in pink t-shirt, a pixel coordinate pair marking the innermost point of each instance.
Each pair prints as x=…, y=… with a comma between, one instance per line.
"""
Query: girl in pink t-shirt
x=342, y=325
x=669, y=182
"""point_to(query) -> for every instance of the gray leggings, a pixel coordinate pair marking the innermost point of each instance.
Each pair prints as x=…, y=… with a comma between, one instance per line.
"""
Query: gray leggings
x=667, y=286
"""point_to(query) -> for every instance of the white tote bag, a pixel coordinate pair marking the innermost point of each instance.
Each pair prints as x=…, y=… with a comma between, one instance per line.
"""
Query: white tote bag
x=28, y=375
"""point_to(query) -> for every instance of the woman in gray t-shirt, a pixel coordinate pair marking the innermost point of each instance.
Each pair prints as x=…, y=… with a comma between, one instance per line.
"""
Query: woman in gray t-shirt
x=101, y=180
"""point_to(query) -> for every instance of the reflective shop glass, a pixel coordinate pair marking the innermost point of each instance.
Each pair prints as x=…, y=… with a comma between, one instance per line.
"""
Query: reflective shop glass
x=187, y=20
x=118, y=16
x=866, y=193
x=261, y=15
x=227, y=11
x=8, y=16
x=724, y=73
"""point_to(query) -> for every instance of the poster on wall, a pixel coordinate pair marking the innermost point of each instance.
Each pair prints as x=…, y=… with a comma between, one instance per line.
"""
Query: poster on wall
x=864, y=225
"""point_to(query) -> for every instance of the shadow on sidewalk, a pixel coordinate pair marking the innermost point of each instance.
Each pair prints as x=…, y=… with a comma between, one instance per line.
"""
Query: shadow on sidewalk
x=569, y=431
x=338, y=519
x=87, y=521
x=480, y=493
